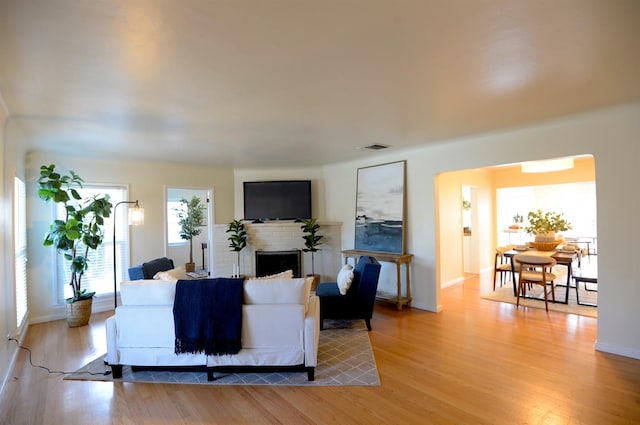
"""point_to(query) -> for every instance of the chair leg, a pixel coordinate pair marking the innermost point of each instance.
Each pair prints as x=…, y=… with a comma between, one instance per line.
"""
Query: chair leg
x=116, y=371
x=494, y=278
x=368, y=323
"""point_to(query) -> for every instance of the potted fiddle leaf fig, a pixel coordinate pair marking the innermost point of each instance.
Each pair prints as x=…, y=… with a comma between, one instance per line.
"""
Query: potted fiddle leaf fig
x=237, y=238
x=191, y=221
x=311, y=238
x=75, y=235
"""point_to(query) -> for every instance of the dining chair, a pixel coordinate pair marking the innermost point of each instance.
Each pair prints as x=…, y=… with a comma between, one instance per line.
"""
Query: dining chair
x=502, y=266
x=576, y=249
x=535, y=270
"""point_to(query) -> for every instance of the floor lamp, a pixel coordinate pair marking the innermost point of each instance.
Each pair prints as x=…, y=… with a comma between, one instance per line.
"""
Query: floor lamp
x=136, y=218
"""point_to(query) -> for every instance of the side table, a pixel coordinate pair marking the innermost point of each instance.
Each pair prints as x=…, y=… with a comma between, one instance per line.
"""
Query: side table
x=398, y=259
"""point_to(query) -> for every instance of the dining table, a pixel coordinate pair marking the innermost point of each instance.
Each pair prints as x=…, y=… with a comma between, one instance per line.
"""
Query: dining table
x=562, y=257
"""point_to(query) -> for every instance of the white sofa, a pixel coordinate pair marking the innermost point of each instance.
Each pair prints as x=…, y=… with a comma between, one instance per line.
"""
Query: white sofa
x=280, y=328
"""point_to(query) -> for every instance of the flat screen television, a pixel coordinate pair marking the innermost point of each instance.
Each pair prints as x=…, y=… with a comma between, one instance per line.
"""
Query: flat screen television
x=277, y=200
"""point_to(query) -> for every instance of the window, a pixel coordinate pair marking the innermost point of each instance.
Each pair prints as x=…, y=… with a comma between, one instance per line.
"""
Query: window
x=173, y=228
x=20, y=250
x=576, y=201
x=99, y=277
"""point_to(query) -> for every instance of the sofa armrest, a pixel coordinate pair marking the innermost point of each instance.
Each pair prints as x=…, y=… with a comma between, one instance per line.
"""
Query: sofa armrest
x=312, y=332
x=112, y=352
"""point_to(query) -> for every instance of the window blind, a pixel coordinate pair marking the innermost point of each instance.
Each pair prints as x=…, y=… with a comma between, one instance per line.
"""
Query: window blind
x=20, y=250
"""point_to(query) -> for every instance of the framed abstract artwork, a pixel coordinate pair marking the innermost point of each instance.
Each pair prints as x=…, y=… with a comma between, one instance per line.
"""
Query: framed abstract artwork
x=380, y=208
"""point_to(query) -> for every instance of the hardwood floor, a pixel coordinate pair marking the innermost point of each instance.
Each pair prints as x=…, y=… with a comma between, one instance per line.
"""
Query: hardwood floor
x=478, y=361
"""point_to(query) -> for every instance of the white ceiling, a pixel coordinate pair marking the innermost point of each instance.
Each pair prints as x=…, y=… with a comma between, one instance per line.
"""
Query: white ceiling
x=262, y=83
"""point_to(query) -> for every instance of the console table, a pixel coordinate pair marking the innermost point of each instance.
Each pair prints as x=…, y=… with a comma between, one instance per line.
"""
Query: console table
x=398, y=260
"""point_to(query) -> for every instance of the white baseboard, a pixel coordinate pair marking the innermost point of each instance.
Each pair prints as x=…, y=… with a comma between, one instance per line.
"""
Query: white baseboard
x=618, y=350
x=426, y=307
x=452, y=282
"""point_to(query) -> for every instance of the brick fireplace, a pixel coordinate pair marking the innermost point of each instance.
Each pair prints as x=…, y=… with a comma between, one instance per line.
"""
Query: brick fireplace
x=278, y=236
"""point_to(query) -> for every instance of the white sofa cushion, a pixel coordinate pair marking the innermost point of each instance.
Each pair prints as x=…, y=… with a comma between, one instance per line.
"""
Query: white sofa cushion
x=278, y=291
x=145, y=326
x=147, y=292
x=262, y=326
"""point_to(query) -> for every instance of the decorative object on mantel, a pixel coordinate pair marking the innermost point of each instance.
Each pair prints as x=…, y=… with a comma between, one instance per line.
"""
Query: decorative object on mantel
x=380, y=208
x=238, y=240
x=311, y=238
x=191, y=221
x=544, y=226
x=79, y=231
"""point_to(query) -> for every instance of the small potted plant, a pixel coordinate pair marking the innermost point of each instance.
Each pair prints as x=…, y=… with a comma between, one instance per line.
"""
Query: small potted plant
x=544, y=225
x=237, y=238
x=311, y=238
x=517, y=221
x=191, y=221
x=80, y=231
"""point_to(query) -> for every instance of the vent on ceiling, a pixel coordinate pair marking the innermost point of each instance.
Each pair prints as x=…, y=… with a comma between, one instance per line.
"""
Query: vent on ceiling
x=376, y=147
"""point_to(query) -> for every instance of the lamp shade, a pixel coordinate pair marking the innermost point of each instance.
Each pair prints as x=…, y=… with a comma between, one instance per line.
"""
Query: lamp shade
x=136, y=216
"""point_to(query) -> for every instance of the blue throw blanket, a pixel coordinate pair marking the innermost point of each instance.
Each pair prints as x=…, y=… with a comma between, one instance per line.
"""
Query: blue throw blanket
x=208, y=316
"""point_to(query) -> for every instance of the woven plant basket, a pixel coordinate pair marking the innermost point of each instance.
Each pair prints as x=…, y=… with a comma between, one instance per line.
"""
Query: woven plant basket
x=545, y=246
x=79, y=312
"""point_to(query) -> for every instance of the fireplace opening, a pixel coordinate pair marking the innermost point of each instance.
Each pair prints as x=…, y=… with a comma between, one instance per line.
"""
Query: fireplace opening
x=273, y=262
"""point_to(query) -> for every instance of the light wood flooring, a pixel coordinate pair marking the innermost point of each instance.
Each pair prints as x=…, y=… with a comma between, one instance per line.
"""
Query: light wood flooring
x=477, y=362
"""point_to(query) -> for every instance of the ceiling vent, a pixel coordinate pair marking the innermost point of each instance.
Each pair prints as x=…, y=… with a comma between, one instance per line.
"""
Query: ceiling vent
x=376, y=147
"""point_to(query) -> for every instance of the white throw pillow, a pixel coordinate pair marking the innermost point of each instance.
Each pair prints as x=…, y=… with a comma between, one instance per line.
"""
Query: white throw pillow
x=172, y=275
x=288, y=274
x=345, y=277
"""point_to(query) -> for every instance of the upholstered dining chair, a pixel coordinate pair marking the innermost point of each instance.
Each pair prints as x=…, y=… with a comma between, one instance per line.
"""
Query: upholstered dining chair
x=502, y=266
x=536, y=270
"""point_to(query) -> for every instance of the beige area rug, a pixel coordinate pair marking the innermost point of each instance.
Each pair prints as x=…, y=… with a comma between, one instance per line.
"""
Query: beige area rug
x=345, y=358
x=505, y=294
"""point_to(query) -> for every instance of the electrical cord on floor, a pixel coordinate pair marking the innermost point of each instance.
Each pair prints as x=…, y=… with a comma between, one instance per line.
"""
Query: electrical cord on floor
x=59, y=372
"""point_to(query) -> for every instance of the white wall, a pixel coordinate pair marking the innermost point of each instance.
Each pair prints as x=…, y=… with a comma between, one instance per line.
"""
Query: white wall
x=11, y=164
x=610, y=135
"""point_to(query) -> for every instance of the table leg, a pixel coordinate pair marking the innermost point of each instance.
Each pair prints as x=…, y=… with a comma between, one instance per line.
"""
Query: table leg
x=513, y=274
x=406, y=269
x=569, y=273
x=399, y=283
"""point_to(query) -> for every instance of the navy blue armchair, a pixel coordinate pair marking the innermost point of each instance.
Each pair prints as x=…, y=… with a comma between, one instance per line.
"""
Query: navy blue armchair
x=358, y=302
x=150, y=268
